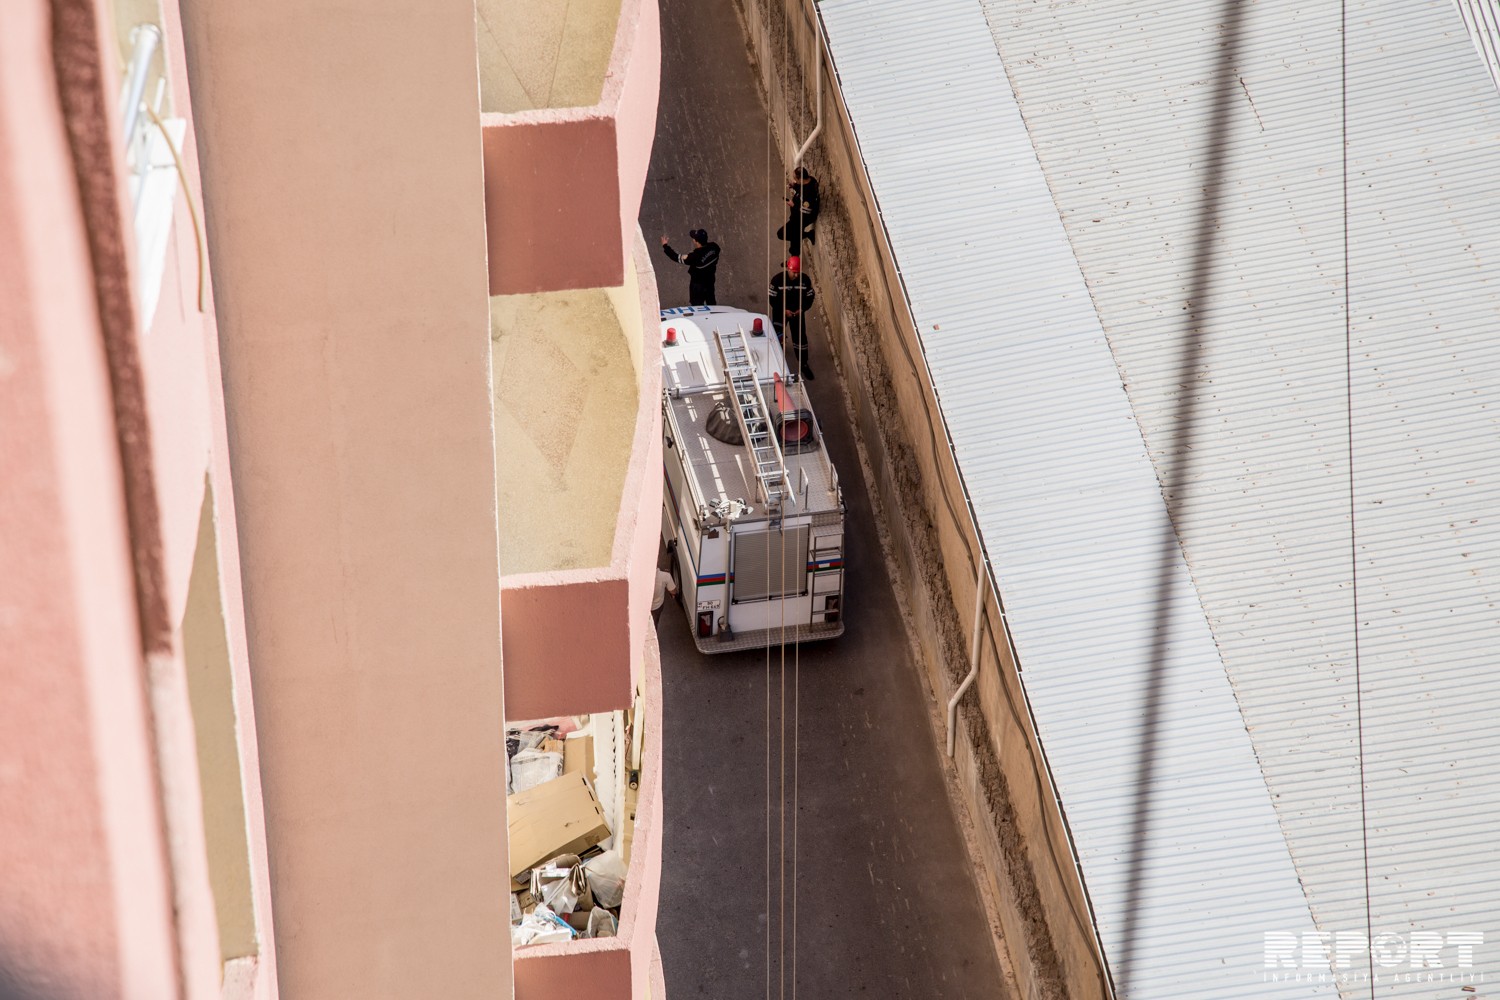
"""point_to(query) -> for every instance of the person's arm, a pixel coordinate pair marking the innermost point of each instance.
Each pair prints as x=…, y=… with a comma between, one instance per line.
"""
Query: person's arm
x=775, y=297
x=807, y=296
x=672, y=255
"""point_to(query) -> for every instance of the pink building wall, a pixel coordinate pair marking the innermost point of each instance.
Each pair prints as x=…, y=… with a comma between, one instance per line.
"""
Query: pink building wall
x=346, y=216
x=563, y=185
x=107, y=444
x=358, y=406
x=86, y=911
x=552, y=198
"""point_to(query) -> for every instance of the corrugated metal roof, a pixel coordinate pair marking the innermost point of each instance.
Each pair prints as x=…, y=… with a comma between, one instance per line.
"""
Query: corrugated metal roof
x=1482, y=18
x=1192, y=155
x=1263, y=512
x=1072, y=515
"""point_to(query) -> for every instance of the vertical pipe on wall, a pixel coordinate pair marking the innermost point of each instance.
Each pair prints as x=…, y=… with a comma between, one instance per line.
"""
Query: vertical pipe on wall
x=973, y=655
x=817, y=98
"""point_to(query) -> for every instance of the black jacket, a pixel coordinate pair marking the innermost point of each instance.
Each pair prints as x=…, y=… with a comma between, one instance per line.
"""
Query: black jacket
x=702, y=263
x=805, y=203
x=790, y=293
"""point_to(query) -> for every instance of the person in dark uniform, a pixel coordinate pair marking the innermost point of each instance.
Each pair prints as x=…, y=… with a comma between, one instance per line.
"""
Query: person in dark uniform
x=791, y=297
x=802, y=207
x=702, y=263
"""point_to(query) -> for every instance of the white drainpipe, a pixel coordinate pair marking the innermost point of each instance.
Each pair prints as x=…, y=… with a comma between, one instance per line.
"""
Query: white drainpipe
x=973, y=654
x=817, y=91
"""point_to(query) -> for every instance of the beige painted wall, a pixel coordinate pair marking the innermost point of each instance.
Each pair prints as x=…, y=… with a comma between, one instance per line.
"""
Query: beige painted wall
x=342, y=170
x=205, y=650
x=565, y=404
x=554, y=667
x=1024, y=845
x=544, y=55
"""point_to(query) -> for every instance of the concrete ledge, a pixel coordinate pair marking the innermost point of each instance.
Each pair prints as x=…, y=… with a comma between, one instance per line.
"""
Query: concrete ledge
x=563, y=185
x=572, y=636
x=626, y=967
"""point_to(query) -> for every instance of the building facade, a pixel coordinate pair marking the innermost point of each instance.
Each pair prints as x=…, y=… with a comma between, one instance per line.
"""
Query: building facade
x=329, y=431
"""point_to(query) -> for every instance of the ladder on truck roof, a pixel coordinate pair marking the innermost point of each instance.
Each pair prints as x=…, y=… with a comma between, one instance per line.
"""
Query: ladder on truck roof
x=754, y=416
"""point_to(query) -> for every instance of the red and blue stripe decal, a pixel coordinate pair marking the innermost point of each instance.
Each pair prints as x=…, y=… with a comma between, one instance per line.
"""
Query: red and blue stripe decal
x=818, y=567
x=713, y=581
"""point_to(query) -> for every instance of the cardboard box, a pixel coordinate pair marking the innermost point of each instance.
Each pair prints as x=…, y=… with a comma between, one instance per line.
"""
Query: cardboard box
x=578, y=756
x=560, y=816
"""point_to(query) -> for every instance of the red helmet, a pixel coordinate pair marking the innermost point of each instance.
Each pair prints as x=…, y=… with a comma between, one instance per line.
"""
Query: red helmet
x=794, y=265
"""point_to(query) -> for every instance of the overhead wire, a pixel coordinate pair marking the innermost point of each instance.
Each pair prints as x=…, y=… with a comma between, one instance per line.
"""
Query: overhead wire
x=1359, y=707
x=796, y=639
x=781, y=586
x=768, y=648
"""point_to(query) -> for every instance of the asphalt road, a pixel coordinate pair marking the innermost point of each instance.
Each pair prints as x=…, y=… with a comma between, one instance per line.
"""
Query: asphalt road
x=837, y=869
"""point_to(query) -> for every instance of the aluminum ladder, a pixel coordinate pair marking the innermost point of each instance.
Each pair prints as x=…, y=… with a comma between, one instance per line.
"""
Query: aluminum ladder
x=753, y=417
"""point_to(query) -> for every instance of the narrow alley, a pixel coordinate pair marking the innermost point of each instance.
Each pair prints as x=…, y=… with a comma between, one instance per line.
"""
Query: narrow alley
x=885, y=899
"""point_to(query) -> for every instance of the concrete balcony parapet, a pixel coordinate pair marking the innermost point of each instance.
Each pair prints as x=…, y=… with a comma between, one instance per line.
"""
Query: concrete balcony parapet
x=627, y=966
x=563, y=181
x=577, y=383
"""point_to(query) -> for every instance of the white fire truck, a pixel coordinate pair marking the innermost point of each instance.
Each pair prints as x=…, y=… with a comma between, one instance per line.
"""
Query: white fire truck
x=752, y=499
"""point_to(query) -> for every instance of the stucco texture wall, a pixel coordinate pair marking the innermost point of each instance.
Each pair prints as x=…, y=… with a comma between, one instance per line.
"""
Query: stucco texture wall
x=87, y=906
x=343, y=174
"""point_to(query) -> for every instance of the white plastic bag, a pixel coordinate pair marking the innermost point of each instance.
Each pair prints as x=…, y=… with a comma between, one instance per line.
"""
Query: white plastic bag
x=529, y=768
x=606, y=875
x=541, y=926
x=602, y=924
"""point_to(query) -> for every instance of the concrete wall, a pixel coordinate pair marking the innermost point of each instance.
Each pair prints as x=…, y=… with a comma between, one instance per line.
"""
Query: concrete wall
x=1023, y=839
x=544, y=55
x=555, y=666
x=205, y=644
x=86, y=910
x=563, y=185
x=346, y=224
x=107, y=440
x=185, y=399
x=618, y=968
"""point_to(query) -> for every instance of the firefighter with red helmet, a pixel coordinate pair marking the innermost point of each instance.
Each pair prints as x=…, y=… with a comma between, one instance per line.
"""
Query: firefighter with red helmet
x=791, y=297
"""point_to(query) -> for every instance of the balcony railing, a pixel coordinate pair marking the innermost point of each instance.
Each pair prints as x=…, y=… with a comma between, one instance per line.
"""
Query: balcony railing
x=619, y=967
x=567, y=129
x=578, y=455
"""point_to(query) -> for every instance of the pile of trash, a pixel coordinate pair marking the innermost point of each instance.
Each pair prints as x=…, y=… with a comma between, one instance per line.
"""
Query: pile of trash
x=564, y=884
x=569, y=898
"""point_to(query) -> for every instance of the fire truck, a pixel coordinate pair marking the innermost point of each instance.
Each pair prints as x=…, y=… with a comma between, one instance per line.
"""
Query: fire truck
x=752, y=501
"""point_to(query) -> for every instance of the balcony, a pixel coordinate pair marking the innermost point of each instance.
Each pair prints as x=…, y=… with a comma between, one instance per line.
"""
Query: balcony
x=568, y=116
x=577, y=384
x=626, y=966
x=535, y=56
